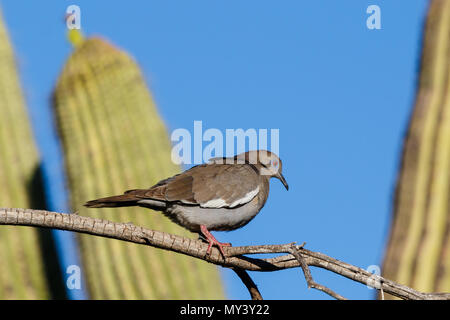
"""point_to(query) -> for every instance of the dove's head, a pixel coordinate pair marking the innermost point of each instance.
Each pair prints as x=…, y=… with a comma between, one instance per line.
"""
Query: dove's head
x=267, y=163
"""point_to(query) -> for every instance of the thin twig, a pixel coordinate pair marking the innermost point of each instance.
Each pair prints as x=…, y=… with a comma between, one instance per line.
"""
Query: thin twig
x=197, y=248
x=249, y=283
x=309, y=279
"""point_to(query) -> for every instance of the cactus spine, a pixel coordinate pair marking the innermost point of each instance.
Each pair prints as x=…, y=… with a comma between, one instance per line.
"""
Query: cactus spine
x=114, y=140
x=418, y=253
x=22, y=273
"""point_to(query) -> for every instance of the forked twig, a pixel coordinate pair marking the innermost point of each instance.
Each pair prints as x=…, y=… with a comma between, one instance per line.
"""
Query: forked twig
x=307, y=272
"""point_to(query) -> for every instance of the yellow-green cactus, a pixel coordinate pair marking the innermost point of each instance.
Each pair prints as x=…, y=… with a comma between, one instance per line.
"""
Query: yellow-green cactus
x=114, y=140
x=418, y=253
x=22, y=273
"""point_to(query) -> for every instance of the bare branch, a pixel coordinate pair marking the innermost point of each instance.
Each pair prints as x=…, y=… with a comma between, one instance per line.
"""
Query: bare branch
x=197, y=249
x=248, y=282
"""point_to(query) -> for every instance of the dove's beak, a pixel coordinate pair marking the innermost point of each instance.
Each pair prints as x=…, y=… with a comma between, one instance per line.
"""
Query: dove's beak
x=283, y=180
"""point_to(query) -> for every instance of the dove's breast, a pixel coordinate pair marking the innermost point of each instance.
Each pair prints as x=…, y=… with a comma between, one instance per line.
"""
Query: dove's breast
x=219, y=219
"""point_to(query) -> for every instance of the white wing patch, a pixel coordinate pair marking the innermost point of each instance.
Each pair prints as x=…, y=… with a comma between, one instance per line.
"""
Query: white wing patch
x=219, y=203
x=247, y=198
x=215, y=203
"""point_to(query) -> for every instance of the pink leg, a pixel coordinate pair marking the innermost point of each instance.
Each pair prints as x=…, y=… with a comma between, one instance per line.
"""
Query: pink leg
x=213, y=241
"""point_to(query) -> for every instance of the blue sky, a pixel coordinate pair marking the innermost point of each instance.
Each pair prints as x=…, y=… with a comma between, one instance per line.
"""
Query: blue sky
x=340, y=94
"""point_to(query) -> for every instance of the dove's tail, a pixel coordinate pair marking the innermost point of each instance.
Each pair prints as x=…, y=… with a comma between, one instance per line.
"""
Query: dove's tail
x=124, y=200
x=136, y=197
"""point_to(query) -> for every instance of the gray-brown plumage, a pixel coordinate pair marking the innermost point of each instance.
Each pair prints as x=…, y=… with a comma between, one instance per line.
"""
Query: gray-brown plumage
x=223, y=195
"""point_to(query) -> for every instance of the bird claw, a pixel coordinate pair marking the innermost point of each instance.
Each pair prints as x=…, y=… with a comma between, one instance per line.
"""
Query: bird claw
x=219, y=245
x=212, y=241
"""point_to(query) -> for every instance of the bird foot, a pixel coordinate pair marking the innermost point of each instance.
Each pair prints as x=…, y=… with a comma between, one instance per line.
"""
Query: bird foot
x=219, y=245
x=212, y=241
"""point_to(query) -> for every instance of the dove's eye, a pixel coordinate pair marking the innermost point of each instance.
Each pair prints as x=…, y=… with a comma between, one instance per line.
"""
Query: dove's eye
x=274, y=163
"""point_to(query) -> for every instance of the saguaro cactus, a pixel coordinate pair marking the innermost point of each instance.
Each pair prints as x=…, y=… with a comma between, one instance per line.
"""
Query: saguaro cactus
x=114, y=140
x=22, y=273
x=418, y=253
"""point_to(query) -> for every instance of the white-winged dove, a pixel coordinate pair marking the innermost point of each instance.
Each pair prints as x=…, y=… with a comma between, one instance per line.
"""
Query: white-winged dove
x=223, y=195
